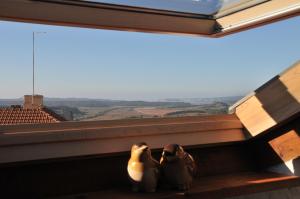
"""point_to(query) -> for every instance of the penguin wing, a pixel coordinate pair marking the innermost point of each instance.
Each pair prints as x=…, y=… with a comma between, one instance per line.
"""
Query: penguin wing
x=156, y=167
x=190, y=163
x=157, y=172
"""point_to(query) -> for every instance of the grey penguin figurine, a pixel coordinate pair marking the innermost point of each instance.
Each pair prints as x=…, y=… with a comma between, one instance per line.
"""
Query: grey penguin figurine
x=178, y=167
x=142, y=169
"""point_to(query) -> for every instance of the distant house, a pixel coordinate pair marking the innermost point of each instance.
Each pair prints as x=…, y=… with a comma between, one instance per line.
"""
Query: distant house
x=33, y=111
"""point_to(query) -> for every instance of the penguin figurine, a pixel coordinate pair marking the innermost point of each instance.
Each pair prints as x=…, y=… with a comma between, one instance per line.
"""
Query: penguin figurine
x=142, y=169
x=178, y=167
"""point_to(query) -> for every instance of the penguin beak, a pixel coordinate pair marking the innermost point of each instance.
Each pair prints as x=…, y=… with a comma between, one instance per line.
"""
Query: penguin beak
x=143, y=148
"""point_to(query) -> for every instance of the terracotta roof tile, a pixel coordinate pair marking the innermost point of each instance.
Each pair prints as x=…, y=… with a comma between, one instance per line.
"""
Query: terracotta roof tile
x=12, y=115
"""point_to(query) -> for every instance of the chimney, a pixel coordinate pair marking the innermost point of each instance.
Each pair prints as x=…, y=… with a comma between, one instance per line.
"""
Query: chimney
x=34, y=102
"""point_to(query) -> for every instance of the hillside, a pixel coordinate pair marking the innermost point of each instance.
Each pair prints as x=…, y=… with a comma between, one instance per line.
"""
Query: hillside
x=102, y=109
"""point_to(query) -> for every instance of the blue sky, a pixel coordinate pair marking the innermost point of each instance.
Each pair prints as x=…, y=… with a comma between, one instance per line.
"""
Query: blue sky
x=78, y=62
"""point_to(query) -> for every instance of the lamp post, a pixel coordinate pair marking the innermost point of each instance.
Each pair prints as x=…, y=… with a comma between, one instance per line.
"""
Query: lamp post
x=33, y=62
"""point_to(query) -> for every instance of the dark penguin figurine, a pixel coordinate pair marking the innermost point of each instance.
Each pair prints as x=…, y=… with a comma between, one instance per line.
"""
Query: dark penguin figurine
x=178, y=167
x=142, y=169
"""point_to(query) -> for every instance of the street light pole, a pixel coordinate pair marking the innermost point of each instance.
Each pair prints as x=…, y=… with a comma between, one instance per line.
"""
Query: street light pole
x=32, y=69
x=33, y=66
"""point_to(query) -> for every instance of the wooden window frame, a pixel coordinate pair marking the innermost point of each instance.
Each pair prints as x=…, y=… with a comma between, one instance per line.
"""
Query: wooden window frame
x=127, y=18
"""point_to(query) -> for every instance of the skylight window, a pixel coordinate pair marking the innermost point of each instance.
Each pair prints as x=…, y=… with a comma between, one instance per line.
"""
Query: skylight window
x=210, y=18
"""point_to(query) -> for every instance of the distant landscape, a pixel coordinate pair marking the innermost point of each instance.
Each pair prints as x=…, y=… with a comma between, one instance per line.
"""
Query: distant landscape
x=81, y=109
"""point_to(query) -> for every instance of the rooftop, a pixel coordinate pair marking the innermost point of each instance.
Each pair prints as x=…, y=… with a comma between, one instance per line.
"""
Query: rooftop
x=19, y=115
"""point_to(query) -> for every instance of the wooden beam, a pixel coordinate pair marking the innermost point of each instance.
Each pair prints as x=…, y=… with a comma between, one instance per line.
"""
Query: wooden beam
x=287, y=146
x=73, y=125
x=272, y=103
x=113, y=138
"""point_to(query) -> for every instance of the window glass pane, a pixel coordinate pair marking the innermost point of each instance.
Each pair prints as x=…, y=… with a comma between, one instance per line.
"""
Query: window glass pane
x=205, y=7
x=91, y=74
